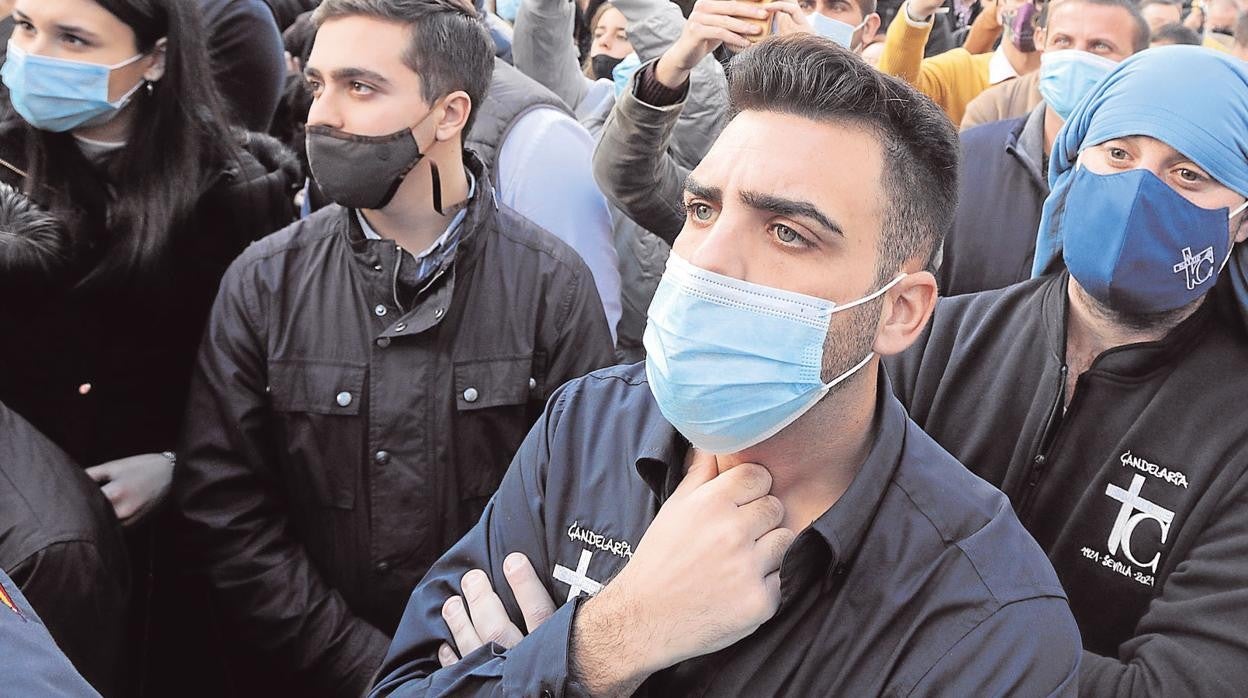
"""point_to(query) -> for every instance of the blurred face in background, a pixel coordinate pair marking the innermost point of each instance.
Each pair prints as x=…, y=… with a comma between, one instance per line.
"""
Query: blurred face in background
x=1158, y=15
x=610, y=34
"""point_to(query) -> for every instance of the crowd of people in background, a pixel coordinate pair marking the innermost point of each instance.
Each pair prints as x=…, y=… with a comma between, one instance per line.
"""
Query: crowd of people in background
x=612, y=347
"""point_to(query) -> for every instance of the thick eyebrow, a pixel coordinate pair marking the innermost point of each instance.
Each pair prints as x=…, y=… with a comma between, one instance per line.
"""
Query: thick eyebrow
x=346, y=74
x=701, y=191
x=793, y=208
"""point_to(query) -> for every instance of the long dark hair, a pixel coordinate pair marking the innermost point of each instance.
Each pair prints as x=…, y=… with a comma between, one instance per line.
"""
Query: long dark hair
x=178, y=144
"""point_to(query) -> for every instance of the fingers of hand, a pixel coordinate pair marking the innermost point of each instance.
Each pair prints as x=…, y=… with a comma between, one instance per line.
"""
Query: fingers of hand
x=446, y=655
x=733, y=25
x=535, y=603
x=489, y=617
x=702, y=469
x=792, y=9
x=730, y=8
x=456, y=616
x=100, y=473
x=761, y=516
x=742, y=484
x=771, y=548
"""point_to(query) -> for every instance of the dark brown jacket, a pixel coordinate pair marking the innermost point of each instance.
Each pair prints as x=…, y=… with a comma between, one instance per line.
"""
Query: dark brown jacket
x=337, y=445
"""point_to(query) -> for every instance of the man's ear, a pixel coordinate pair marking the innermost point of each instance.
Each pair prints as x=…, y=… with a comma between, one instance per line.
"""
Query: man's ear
x=907, y=308
x=1042, y=34
x=156, y=67
x=870, y=29
x=455, y=111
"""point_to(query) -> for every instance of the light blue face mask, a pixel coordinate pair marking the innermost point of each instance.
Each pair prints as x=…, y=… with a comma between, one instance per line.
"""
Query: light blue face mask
x=1067, y=76
x=834, y=29
x=507, y=9
x=731, y=363
x=623, y=72
x=54, y=94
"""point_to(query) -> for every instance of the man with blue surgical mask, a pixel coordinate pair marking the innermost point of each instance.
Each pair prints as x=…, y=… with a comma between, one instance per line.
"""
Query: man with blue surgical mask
x=749, y=512
x=1003, y=166
x=1104, y=397
x=850, y=23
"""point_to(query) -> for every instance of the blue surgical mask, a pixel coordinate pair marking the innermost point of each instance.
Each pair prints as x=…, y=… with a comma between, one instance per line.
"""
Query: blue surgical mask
x=1138, y=246
x=731, y=363
x=1067, y=76
x=623, y=72
x=834, y=29
x=54, y=94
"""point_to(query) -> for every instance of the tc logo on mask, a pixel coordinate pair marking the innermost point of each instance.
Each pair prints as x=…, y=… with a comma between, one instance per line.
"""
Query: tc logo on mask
x=1198, y=268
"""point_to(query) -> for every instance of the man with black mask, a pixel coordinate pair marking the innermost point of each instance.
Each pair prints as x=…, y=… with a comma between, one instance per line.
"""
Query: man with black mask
x=368, y=373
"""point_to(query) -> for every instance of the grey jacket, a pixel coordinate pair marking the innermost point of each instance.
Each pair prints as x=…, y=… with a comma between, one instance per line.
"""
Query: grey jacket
x=633, y=167
x=544, y=51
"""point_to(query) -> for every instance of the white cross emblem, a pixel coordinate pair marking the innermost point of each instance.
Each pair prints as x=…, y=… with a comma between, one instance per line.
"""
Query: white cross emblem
x=1128, y=519
x=1191, y=266
x=577, y=579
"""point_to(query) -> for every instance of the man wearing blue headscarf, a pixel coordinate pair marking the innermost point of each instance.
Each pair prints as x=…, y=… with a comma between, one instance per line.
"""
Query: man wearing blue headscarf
x=1104, y=397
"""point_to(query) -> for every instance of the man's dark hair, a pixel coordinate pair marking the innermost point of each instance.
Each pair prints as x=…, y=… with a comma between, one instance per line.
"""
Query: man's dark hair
x=1140, y=37
x=1177, y=34
x=450, y=47
x=811, y=77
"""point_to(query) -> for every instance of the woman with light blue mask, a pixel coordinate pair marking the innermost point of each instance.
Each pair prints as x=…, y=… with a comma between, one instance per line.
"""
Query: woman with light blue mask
x=116, y=131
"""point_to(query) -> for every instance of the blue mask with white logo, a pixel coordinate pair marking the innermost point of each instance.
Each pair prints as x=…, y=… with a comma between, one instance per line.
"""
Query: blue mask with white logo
x=731, y=363
x=1067, y=76
x=623, y=72
x=1138, y=246
x=54, y=94
x=834, y=29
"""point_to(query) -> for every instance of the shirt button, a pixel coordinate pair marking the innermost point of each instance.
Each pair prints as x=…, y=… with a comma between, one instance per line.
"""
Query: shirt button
x=532, y=384
x=383, y=342
x=344, y=399
x=381, y=457
x=471, y=395
x=400, y=327
x=376, y=267
x=383, y=566
x=380, y=310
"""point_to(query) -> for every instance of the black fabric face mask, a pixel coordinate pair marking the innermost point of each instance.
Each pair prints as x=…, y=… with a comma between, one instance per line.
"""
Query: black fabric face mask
x=603, y=65
x=365, y=171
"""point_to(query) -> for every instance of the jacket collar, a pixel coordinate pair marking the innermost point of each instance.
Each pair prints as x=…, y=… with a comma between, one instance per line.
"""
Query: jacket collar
x=661, y=464
x=1129, y=360
x=1026, y=143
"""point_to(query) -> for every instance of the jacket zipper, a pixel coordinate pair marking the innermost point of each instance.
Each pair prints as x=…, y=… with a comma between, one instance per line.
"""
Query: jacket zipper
x=1039, y=461
x=394, y=282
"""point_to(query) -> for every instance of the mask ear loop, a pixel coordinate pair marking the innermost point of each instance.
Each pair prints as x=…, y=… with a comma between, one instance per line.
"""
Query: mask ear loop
x=1231, y=249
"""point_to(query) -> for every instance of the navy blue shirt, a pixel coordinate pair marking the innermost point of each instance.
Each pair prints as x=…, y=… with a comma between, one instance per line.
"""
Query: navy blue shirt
x=34, y=666
x=918, y=581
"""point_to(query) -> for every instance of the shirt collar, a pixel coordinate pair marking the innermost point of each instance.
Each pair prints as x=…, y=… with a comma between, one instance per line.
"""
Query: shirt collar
x=999, y=67
x=661, y=464
x=371, y=234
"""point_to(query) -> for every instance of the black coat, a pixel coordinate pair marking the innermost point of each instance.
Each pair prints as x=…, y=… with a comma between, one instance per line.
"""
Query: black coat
x=61, y=544
x=103, y=369
x=338, y=443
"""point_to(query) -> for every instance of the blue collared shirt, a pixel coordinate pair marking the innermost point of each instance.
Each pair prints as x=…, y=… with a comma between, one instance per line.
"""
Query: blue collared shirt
x=918, y=580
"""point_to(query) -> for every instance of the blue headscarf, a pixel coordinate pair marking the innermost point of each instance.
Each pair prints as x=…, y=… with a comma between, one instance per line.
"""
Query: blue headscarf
x=1193, y=99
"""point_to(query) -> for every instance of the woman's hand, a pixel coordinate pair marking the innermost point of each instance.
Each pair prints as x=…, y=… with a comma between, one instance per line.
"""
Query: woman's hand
x=134, y=486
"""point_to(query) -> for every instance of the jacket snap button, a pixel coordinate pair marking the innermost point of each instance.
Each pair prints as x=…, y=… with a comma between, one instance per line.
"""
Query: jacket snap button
x=400, y=327
x=471, y=395
x=438, y=313
x=379, y=310
x=344, y=399
x=381, y=457
x=383, y=342
x=532, y=384
x=383, y=566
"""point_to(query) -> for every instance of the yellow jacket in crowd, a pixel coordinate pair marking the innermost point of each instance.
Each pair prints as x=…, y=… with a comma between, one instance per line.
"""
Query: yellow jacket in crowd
x=952, y=79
